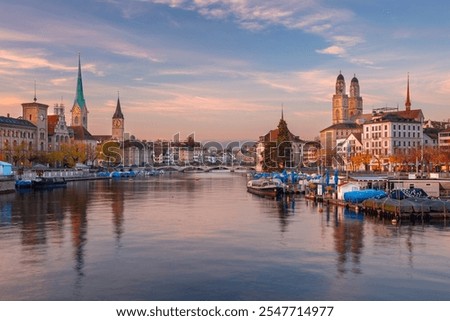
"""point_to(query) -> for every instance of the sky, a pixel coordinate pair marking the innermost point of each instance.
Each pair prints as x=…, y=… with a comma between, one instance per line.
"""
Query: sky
x=223, y=69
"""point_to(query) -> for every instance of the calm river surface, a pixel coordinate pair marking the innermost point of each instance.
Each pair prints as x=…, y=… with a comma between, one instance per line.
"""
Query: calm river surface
x=203, y=237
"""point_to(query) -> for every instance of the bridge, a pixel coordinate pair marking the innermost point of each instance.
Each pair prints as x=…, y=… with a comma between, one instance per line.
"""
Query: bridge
x=204, y=169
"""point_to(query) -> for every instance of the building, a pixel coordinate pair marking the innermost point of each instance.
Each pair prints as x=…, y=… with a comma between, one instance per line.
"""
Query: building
x=329, y=138
x=393, y=132
x=444, y=139
x=347, y=148
x=36, y=113
x=346, y=114
x=79, y=110
x=118, y=123
x=390, y=134
x=18, y=139
x=346, y=108
x=58, y=131
x=279, y=149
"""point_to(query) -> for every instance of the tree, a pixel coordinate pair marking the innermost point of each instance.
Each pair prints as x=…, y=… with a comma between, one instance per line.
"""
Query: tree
x=73, y=154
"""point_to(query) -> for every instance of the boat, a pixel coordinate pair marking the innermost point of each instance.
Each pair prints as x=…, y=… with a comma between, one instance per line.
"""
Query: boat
x=48, y=182
x=265, y=187
x=23, y=183
x=360, y=196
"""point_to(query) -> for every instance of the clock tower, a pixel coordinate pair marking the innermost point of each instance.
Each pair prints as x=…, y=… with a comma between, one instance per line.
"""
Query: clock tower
x=118, y=123
x=36, y=113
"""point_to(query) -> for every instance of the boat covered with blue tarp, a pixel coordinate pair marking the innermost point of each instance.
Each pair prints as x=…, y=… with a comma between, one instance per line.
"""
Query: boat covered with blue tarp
x=357, y=197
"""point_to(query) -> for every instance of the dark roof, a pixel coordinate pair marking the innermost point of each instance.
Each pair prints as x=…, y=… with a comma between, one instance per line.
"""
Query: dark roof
x=118, y=112
x=354, y=79
x=102, y=138
x=340, y=77
x=9, y=121
x=81, y=133
x=402, y=115
x=343, y=126
x=433, y=133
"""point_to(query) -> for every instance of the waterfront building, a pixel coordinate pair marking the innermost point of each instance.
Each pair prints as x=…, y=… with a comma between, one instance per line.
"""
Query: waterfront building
x=347, y=148
x=58, y=131
x=329, y=138
x=280, y=149
x=444, y=139
x=393, y=132
x=36, y=113
x=431, y=137
x=390, y=134
x=384, y=132
x=17, y=139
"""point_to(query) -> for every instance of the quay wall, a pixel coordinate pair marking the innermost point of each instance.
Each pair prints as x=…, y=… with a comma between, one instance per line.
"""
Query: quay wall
x=7, y=184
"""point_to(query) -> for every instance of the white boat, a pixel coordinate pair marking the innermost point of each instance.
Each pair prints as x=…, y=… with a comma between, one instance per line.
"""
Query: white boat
x=265, y=187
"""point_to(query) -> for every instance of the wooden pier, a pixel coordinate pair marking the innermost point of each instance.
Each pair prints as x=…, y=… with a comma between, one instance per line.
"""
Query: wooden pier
x=387, y=214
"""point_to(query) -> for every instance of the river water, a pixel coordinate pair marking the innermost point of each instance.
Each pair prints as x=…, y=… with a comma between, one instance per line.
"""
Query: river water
x=203, y=237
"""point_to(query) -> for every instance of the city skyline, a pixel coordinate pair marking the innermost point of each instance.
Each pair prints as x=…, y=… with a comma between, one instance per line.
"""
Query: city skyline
x=222, y=69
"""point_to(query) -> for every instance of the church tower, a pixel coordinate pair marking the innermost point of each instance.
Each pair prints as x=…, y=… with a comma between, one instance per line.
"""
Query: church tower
x=340, y=102
x=36, y=113
x=408, y=99
x=118, y=123
x=355, y=102
x=79, y=110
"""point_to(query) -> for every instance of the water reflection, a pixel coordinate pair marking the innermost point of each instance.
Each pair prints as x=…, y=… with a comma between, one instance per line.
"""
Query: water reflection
x=348, y=240
x=196, y=230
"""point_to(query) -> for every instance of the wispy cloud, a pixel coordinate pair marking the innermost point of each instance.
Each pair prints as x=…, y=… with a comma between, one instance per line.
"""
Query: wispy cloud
x=29, y=60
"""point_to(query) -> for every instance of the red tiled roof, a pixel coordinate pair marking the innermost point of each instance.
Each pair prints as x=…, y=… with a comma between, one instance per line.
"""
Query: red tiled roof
x=52, y=120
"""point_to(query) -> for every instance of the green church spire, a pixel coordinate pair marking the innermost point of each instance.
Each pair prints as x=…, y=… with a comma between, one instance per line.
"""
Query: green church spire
x=79, y=97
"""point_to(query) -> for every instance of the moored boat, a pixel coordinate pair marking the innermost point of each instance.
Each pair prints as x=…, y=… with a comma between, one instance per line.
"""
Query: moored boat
x=48, y=182
x=23, y=183
x=265, y=187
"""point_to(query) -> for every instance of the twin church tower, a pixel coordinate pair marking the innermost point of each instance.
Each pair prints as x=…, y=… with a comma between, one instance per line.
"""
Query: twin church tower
x=346, y=108
x=80, y=112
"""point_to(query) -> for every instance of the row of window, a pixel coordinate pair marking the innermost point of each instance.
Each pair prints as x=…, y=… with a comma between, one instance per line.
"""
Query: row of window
x=7, y=145
x=395, y=127
x=394, y=134
x=59, y=139
x=394, y=144
x=17, y=134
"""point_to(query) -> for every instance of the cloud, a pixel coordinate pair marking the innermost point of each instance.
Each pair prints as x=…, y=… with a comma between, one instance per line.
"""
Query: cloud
x=308, y=15
x=332, y=50
x=22, y=60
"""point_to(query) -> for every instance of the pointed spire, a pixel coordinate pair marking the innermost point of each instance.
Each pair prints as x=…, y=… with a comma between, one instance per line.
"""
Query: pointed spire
x=79, y=96
x=35, y=99
x=118, y=112
x=408, y=99
x=282, y=111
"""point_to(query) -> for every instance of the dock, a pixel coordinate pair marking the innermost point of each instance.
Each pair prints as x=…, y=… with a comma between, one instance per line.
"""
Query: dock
x=389, y=213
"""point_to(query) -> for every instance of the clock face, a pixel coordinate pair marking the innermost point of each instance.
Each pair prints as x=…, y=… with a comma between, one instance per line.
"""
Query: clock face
x=41, y=117
x=117, y=123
